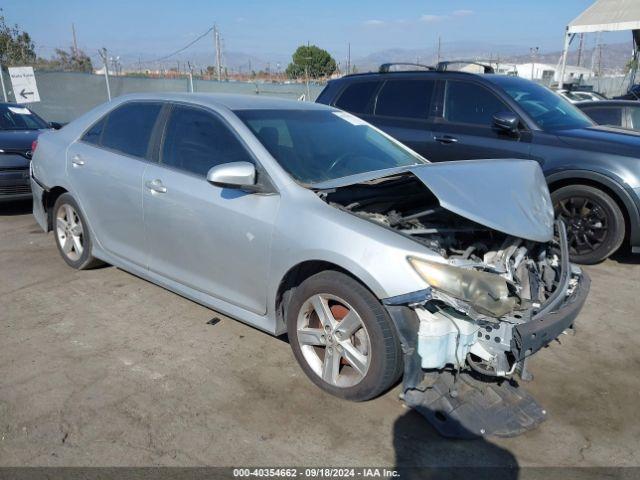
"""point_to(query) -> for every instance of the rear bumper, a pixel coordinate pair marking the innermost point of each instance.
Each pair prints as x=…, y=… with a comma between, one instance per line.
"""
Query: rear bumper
x=14, y=184
x=39, y=212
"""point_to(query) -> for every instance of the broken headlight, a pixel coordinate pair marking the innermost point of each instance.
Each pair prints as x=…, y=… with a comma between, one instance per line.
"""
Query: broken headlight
x=487, y=293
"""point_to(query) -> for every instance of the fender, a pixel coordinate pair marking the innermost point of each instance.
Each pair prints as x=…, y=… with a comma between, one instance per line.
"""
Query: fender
x=613, y=185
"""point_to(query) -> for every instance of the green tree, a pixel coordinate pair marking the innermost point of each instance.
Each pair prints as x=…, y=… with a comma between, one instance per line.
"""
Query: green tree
x=311, y=60
x=68, y=61
x=16, y=46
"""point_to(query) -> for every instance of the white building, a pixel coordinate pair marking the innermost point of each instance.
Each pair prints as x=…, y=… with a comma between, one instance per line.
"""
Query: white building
x=551, y=73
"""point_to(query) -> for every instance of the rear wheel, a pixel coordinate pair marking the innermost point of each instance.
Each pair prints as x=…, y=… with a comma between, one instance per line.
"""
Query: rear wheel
x=72, y=235
x=594, y=221
x=342, y=337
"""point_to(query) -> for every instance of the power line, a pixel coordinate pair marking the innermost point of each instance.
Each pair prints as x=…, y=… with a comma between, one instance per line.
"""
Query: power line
x=181, y=49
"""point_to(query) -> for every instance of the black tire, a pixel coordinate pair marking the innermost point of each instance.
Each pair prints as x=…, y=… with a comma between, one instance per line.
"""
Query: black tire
x=594, y=221
x=384, y=350
x=79, y=261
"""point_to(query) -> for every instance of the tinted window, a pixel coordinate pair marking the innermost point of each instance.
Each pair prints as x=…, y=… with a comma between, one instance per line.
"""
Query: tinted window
x=471, y=103
x=17, y=117
x=605, y=115
x=196, y=140
x=93, y=134
x=318, y=145
x=128, y=128
x=357, y=97
x=405, y=98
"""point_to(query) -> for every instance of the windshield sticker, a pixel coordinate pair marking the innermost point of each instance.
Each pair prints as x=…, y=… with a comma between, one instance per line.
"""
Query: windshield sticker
x=352, y=119
x=20, y=110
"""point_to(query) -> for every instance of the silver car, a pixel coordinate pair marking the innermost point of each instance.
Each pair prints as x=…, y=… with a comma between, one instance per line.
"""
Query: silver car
x=299, y=218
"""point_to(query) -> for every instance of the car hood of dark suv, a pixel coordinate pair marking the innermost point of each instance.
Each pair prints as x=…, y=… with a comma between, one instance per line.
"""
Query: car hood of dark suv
x=619, y=141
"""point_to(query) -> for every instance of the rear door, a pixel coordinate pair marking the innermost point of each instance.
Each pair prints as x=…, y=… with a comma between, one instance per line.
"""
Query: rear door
x=402, y=109
x=464, y=128
x=105, y=168
x=212, y=239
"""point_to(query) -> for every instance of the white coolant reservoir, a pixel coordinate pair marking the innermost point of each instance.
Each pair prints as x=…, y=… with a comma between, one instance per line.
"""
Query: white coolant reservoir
x=438, y=342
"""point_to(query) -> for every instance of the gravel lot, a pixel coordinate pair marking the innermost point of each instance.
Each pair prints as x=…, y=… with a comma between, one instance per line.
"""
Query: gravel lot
x=103, y=368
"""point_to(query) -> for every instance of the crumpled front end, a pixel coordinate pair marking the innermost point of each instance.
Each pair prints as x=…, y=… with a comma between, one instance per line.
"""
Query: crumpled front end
x=492, y=298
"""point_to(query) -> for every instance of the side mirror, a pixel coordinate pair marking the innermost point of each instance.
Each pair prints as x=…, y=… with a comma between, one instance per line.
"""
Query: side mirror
x=55, y=125
x=506, y=121
x=233, y=175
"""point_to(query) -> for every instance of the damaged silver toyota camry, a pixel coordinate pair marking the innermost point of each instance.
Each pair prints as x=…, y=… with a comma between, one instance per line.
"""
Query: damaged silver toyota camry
x=302, y=219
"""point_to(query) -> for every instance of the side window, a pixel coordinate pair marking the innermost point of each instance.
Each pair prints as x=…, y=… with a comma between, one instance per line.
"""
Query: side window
x=196, y=140
x=605, y=115
x=357, y=97
x=128, y=128
x=467, y=102
x=93, y=135
x=405, y=98
x=635, y=117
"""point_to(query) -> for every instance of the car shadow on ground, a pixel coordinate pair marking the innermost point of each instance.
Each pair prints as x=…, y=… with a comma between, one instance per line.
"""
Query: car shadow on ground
x=625, y=256
x=21, y=207
x=421, y=452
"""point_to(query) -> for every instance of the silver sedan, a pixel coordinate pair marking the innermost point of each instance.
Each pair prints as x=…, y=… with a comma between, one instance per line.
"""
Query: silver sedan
x=302, y=219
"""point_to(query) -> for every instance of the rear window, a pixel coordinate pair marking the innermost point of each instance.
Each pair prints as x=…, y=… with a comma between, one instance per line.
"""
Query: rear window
x=605, y=115
x=405, y=98
x=128, y=128
x=357, y=97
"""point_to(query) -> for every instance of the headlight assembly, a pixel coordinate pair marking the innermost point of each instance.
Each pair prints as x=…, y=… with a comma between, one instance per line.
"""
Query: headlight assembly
x=487, y=293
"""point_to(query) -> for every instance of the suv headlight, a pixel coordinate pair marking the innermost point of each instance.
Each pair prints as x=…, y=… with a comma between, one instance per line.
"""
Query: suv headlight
x=487, y=293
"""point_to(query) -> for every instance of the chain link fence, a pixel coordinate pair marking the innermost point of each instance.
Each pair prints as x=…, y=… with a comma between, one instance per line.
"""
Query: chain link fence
x=67, y=95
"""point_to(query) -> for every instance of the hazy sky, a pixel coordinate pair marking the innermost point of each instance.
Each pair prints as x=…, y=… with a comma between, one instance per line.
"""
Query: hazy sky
x=278, y=26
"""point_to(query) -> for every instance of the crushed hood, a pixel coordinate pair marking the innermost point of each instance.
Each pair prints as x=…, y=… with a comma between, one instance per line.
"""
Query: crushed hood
x=508, y=195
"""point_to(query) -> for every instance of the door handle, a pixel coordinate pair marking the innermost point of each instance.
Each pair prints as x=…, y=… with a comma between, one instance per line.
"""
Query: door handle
x=446, y=139
x=156, y=186
x=77, y=161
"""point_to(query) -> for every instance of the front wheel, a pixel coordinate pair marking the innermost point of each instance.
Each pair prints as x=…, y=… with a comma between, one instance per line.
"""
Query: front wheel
x=594, y=221
x=342, y=337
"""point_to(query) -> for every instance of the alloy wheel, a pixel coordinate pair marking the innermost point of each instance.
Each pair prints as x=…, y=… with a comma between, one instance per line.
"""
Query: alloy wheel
x=334, y=340
x=70, y=232
x=586, y=221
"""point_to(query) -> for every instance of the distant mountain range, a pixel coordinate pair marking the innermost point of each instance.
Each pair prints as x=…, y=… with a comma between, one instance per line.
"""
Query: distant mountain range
x=614, y=57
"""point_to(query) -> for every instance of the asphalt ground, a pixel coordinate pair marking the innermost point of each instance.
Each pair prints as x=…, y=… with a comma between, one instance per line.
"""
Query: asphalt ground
x=103, y=368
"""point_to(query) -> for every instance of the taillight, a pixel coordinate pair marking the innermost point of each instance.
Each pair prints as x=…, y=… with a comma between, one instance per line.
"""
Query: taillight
x=34, y=145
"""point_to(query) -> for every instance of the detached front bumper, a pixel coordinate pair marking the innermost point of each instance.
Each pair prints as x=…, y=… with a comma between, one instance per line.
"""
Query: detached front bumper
x=530, y=337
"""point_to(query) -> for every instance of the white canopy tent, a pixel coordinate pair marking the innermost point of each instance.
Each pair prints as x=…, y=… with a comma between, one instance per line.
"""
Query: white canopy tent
x=604, y=16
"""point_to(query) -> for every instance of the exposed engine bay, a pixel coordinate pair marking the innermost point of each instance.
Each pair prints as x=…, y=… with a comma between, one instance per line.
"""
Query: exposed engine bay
x=488, y=284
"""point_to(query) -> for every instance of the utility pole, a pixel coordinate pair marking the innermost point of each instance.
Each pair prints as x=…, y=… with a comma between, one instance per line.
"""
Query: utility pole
x=4, y=90
x=580, y=48
x=439, y=48
x=534, y=52
x=216, y=38
x=75, y=41
x=190, y=77
x=349, y=58
x=105, y=62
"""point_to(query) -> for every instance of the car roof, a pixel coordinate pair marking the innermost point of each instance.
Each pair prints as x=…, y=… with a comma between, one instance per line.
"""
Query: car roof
x=230, y=101
x=609, y=103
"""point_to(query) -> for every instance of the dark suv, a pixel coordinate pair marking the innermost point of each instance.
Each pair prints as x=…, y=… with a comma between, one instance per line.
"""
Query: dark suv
x=593, y=172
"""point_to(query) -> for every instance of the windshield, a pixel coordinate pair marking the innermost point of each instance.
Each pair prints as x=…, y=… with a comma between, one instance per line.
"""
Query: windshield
x=319, y=145
x=547, y=109
x=15, y=117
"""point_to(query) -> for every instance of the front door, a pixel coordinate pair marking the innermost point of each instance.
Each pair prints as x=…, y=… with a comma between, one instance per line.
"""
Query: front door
x=465, y=130
x=212, y=239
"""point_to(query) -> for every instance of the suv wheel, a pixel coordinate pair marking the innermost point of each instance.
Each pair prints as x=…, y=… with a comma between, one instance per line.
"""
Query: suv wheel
x=595, y=224
x=72, y=235
x=342, y=337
